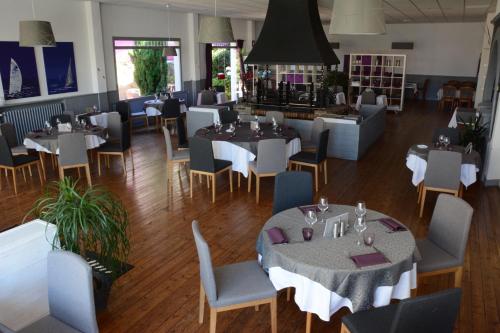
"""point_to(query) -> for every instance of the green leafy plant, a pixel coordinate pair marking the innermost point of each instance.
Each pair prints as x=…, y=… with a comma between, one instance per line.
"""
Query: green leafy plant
x=473, y=131
x=151, y=72
x=89, y=221
x=336, y=78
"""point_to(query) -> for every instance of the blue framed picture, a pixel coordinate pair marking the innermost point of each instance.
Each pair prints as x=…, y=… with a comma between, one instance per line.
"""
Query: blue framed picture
x=18, y=71
x=60, y=68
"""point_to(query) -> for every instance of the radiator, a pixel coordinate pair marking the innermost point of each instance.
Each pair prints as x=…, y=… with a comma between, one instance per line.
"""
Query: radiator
x=31, y=117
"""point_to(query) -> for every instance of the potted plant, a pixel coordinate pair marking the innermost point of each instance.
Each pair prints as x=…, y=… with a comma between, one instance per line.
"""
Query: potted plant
x=92, y=223
x=473, y=132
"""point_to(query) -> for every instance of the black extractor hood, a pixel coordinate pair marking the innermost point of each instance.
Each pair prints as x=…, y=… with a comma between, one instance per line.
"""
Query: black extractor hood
x=292, y=35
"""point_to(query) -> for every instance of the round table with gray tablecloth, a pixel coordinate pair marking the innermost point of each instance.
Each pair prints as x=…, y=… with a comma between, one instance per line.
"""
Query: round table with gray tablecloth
x=48, y=143
x=324, y=276
x=416, y=161
x=241, y=148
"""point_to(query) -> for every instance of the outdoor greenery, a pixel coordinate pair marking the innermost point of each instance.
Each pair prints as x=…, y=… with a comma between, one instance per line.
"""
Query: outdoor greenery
x=89, y=221
x=151, y=72
x=221, y=58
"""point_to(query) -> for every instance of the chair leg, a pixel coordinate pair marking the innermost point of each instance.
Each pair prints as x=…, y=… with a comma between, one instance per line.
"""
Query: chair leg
x=274, y=315
x=131, y=158
x=256, y=308
x=461, y=190
x=99, y=163
x=39, y=168
x=257, y=188
x=239, y=179
x=61, y=173
x=231, y=180
x=24, y=173
x=213, y=188
x=326, y=173
x=316, y=176
x=249, y=180
x=29, y=170
x=79, y=173
x=422, y=201
x=308, y=322
x=208, y=181
x=458, y=277
x=124, y=164
x=344, y=329
x=202, y=304
x=288, y=294
x=41, y=156
x=15, y=180
x=191, y=183
x=213, y=320
x=87, y=172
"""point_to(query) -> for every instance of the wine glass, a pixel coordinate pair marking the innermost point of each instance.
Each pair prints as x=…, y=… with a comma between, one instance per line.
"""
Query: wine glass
x=360, y=209
x=311, y=218
x=446, y=142
x=323, y=207
x=441, y=139
x=359, y=227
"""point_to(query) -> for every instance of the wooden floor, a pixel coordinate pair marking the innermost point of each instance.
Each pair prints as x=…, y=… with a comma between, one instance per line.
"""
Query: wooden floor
x=161, y=293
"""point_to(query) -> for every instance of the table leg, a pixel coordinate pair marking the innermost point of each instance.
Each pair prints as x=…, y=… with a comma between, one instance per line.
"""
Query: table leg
x=308, y=322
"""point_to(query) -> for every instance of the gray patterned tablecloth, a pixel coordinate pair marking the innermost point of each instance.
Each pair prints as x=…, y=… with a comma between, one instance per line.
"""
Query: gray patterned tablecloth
x=245, y=137
x=49, y=143
x=472, y=158
x=327, y=261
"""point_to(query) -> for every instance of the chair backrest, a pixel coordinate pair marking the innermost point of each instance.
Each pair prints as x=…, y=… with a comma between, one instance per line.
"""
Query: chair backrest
x=206, y=97
x=8, y=131
x=434, y=313
x=449, y=91
x=221, y=97
x=454, y=83
x=168, y=143
x=368, y=96
x=171, y=108
x=114, y=126
x=317, y=127
x=292, y=189
x=126, y=140
x=63, y=118
x=72, y=149
x=271, y=156
x=201, y=154
x=123, y=108
x=71, y=115
x=6, y=158
x=71, y=293
x=450, y=224
x=228, y=116
x=443, y=170
x=206, y=269
x=5, y=329
x=452, y=133
x=467, y=92
x=277, y=115
x=197, y=120
x=322, y=146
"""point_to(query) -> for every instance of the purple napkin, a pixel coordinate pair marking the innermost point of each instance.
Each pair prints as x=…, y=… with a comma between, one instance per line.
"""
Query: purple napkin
x=305, y=209
x=369, y=259
x=392, y=225
x=277, y=235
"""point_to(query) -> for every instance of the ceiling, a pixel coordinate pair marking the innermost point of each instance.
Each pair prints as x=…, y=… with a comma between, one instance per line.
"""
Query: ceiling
x=396, y=11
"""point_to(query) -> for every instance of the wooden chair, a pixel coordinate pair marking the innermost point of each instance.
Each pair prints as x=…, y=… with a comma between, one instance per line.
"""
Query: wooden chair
x=232, y=287
x=468, y=84
x=466, y=96
x=203, y=163
x=454, y=83
x=449, y=97
x=182, y=141
x=18, y=162
x=271, y=160
x=423, y=89
x=8, y=131
x=73, y=154
x=315, y=160
x=443, y=250
x=173, y=157
x=442, y=175
x=117, y=148
x=170, y=111
x=312, y=144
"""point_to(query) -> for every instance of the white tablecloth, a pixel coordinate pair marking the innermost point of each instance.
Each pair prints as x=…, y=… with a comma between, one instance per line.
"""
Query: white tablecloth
x=312, y=297
x=215, y=112
x=23, y=273
x=381, y=100
x=340, y=98
x=418, y=165
x=240, y=156
x=158, y=104
x=92, y=141
x=100, y=120
x=453, y=121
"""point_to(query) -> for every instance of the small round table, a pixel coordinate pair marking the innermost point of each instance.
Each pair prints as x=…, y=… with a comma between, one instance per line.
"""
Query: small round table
x=322, y=272
x=241, y=148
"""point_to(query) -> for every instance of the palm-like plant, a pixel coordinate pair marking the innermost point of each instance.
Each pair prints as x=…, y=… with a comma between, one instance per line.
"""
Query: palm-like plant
x=90, y=221
x=473, y=131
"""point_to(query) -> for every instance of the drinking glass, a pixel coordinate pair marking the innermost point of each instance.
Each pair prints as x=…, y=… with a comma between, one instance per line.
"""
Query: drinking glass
x=360, y=209
x=323, y=207
x=369, y=238
x=441, y=139
x=311, y=218
x=359, y=227
x=446, y=141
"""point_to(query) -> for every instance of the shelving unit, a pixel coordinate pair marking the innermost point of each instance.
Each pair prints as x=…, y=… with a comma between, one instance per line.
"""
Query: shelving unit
x=384, y=73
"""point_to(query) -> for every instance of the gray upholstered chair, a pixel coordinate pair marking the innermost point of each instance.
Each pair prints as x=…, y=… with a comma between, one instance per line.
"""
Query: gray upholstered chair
x=117, y=147
x=368, y=96
x=196, y=120
x=73, y=154
x=206, y=97
x=114, y=127
x=233, y=286
x=443, y=250
x=442, y=175
x=292, y=189
x=271, y=160
x=312, y=144
x=173, y=157
x=71, y=297
x=277, y=115
x=435, y=313
x=8, y=131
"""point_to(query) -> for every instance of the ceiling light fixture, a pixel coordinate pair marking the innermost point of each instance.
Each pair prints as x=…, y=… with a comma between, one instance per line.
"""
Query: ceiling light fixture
x=214, y=29
x=357, y=17
x=35, y=33
x=169, y=51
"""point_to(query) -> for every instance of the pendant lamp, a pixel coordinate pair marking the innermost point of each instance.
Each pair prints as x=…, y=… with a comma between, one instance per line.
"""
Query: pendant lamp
x=214, y=29
x=169, y=51
x=357, y=17
x=35, y=33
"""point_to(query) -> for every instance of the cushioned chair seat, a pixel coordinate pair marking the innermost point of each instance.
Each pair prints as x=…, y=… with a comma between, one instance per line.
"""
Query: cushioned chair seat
x=113, y=147
x=19, y=150
x=304, y=157
x=221, y=164
x=48, y=324
x=363, y=321
x=181, y=155
x=433, y=257
x=23, y=159
x=240, y=283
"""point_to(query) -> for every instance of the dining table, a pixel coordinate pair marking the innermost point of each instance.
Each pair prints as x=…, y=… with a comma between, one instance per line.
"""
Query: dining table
x=158, y=105
x=439, y=94
x=416, y=161
x=48, y=142
x=240, y=146
x=323, y=271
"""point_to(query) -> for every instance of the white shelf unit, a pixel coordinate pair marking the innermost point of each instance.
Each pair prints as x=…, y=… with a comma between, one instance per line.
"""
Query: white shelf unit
x=384, y=73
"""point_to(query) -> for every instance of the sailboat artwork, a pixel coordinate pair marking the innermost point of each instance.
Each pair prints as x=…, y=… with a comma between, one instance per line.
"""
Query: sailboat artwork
x=60, y=68
x=18, y=71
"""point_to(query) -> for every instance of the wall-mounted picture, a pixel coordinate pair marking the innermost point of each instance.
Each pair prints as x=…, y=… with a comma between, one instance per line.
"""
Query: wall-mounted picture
x=60, y=68
x=18, y=71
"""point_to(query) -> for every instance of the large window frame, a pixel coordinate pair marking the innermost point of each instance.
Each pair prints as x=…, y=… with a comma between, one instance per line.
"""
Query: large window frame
x=158, y=43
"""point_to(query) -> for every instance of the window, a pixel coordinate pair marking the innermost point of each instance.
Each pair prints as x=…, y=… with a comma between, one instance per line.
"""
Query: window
x=142, y=69
x=226, y=69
